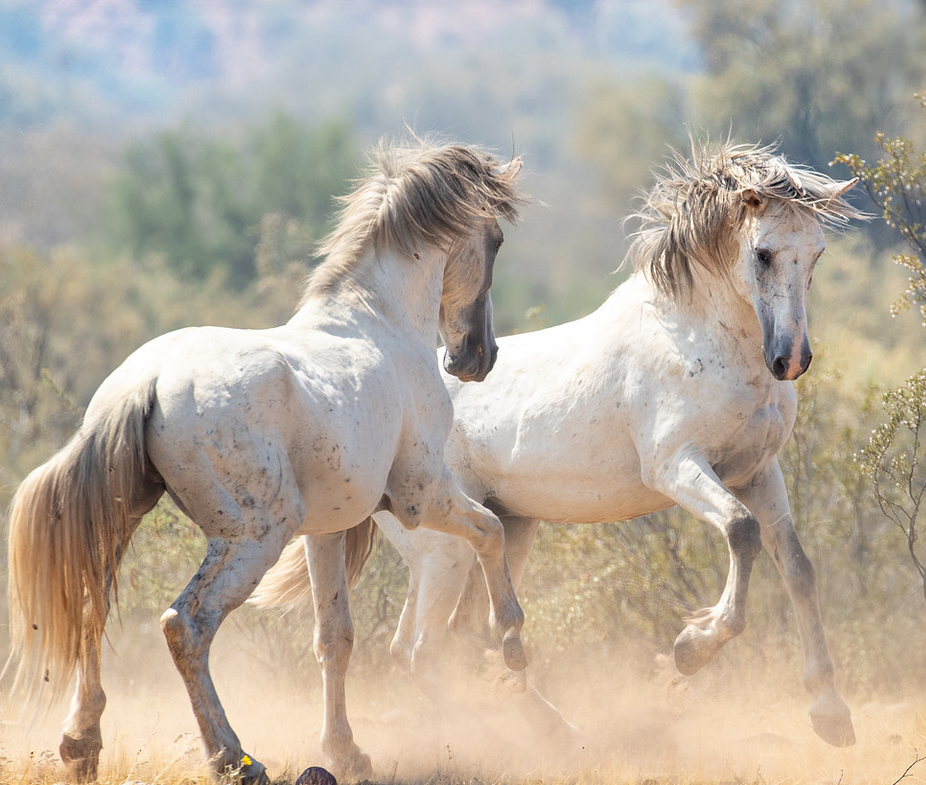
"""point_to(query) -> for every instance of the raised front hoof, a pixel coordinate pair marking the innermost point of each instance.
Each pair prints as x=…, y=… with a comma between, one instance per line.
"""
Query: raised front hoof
x=513, y=651
x=832, y=721
x=81, y=756
x=695, y=648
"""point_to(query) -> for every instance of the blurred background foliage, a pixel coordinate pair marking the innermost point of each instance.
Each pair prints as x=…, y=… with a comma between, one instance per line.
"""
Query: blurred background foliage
x=166, y=164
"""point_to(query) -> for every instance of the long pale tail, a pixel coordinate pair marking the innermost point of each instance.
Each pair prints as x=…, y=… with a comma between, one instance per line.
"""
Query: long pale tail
x=70, y=522
x=287, y=586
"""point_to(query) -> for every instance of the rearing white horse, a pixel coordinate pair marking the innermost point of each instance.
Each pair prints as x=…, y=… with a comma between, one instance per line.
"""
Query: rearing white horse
x=259, y=435
x=677, y=390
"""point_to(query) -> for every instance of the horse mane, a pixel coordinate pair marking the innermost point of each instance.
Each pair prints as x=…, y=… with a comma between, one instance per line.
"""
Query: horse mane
x=427, y=194
x=694, y=212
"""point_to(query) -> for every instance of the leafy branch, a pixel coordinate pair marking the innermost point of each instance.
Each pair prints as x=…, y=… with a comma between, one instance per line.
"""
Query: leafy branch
x=894, y=457
x=897, y=185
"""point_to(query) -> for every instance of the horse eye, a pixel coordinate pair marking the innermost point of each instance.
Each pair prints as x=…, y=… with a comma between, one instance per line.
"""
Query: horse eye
x=498, y=245
x=764, y=257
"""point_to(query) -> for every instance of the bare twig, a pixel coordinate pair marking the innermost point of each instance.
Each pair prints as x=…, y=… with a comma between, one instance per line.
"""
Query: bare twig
x=906, y=771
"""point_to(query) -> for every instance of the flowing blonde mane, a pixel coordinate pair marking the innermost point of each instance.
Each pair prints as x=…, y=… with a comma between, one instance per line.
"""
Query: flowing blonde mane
x=413, y=196
x=694, y=212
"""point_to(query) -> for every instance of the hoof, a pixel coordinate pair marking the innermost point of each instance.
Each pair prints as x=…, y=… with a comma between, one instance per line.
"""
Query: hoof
x=513, y=650
x=694, y=649
x=252, y=772
x=832, y=721
x=316, y=775
x=354, y=766
x=81, y=756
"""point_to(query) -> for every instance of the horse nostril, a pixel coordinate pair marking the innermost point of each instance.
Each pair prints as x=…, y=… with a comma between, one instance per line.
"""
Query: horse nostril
x=780, y=368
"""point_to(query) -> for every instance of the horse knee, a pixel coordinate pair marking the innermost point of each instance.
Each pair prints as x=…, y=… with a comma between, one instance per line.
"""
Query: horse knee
x=491, y=537
x=334, y=644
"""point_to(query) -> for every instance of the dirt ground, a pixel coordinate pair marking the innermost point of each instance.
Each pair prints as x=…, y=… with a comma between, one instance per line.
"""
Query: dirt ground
x=661, y=728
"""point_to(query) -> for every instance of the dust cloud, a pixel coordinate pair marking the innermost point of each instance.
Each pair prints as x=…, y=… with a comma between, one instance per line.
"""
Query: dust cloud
x=637, y=722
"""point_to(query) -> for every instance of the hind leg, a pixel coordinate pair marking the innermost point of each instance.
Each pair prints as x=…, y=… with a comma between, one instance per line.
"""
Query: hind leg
x=542, y=716
x=228, y=575
x=82, y=741
x=437, y=566
x=767, y=497
x=453, y=512
x=334, y=640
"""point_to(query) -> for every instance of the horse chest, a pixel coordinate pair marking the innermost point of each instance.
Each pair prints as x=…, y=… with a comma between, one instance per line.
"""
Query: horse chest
x=747, y=437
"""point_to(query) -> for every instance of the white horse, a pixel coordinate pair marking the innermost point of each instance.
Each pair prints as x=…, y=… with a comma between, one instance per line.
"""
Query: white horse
x=677, y=390
x=260, y=435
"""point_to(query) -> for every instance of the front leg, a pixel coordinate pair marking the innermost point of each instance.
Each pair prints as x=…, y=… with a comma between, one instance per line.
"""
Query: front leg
x=450, y=510
x=767, y=497
x=334, y=640
x=691, y=482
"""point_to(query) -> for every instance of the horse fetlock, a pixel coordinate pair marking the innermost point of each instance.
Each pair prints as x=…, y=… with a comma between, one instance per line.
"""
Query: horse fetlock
x=251, y=772
x=820, y=679
x=347, y=761
x=401, y=655
x=81, y=755
x=513, y=650
x=695, y=647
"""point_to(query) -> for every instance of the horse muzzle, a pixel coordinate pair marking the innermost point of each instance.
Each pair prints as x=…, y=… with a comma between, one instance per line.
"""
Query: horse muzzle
x=785, y=360
x=473, y=361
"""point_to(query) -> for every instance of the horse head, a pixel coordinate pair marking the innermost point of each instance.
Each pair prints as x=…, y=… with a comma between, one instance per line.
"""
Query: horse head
x=465, y=321
x=466, y=304
x=742, y=216
x=780, y=244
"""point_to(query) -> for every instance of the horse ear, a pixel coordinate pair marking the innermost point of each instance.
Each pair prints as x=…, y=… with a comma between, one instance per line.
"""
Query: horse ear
x=751, y=199
x=841, y=188
x=512, y=167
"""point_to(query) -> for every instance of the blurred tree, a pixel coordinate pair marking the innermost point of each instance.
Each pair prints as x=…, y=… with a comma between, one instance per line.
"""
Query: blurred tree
x=198, y=201
x=820, y=76
x=895, y=456
x=626, y=129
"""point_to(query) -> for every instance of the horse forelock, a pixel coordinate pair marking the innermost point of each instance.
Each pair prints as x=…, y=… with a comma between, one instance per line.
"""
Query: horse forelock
x=694, y=213
x=427, y=195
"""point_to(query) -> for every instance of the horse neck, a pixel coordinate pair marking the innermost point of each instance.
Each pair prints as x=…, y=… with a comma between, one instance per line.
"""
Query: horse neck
x=713, y=307
x=404, y=292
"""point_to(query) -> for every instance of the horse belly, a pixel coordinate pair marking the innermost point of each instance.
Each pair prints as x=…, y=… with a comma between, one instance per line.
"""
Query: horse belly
x=577, y=499
x=586, y=480
x=341, y=490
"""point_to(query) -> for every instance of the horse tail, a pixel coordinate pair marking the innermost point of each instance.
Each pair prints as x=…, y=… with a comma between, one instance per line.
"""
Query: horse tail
x=70, y=521
x=287, y=585
x=359, y=546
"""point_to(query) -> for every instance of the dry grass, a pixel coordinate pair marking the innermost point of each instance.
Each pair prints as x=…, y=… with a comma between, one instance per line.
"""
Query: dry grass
x=733, y=724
